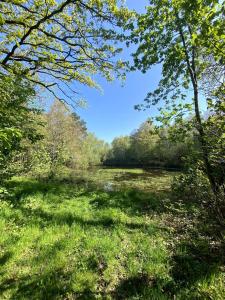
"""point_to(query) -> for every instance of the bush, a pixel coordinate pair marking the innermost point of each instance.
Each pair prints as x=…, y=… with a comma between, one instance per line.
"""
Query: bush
x=192, y=185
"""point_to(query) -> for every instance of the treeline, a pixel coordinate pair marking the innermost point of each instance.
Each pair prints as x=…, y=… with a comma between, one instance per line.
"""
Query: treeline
x=42, y=143
x=149, y=147
x=65, y=143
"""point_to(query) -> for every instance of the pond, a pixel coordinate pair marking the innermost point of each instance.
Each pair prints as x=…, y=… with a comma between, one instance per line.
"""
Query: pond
x=111, y=179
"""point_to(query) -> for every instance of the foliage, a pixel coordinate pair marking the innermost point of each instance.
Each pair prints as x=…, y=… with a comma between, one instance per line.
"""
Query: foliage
x=119, y=152
x=170, y=33
x=192, y=185
x=144, y=142
x=64, y=134
x=54, y=43
x=17, y=119
x=94, y=151
x=215, y=129
x=149, y=147
x=65, y=144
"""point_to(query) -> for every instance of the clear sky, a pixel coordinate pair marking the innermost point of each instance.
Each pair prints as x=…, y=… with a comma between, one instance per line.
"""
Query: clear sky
x=111, y=113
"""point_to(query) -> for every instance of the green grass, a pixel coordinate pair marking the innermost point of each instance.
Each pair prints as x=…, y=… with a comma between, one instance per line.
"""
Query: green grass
x=106, y=234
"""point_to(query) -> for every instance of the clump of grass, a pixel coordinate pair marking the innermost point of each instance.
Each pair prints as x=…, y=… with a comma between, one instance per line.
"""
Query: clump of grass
x=64, y=240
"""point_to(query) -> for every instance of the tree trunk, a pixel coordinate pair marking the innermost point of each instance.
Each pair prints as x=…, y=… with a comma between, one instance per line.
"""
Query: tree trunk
x=191, y=65
x=202, y=139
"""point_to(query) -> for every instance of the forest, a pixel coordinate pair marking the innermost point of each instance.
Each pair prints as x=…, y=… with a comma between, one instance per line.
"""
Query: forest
x=143, y=216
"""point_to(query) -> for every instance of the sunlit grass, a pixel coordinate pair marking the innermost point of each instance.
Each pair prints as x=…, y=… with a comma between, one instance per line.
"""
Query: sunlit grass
x=83, y=240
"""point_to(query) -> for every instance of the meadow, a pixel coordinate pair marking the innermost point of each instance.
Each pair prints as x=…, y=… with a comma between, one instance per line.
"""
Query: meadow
x=106, y=234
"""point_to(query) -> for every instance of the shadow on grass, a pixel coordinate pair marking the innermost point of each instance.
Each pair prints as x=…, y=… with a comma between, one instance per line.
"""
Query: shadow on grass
x=195, y=260
x=45, y=283
x=136, y=286
x=43, y=219
x=195, y=257
x=5, y=257
x=56, y=284
x=131, y=201
x=49, y=285
x=21, y=189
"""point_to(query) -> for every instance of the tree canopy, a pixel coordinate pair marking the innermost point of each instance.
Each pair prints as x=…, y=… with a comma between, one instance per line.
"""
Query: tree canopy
x=53, y=43
x=180, y=35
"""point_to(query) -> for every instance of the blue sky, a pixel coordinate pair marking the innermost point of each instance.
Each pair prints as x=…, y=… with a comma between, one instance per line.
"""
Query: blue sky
x=111, y=113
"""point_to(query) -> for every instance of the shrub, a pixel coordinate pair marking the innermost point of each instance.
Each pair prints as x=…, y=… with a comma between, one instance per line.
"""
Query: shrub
x=192, y=185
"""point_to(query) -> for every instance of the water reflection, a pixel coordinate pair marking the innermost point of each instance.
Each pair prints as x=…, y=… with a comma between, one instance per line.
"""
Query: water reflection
x=109, y=187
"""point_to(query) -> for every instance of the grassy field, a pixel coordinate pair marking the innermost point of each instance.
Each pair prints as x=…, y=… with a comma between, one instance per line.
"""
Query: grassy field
x=106, y=234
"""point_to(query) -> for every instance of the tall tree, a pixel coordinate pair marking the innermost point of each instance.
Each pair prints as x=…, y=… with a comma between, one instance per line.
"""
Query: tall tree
x=119, y=153
x=54, y=43
x=143, y=142
x=179, y=34
x=94, y=151
x=64, y=137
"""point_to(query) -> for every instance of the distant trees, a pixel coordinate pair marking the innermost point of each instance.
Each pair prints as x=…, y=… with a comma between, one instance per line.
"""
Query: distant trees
x=143, y=144
x=119, y=152
x=148, y=147
x=65, y=143
x=94, y=151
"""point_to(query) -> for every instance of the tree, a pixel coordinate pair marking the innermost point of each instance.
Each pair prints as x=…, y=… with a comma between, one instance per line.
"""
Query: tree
x=64, y=136
x=215, y=130
x=119, y=153
x=53, y=43
x=179, y=34
x=148, y=146
x=94, y=151
x=66, y=144
x=143, y=143
x=17, y=119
